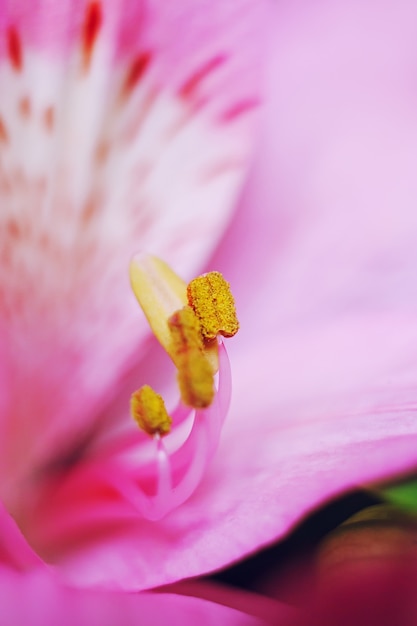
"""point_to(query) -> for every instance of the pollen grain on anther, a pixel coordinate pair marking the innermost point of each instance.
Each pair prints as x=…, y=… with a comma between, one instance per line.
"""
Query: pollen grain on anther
x=14, y=48
x=91, y=28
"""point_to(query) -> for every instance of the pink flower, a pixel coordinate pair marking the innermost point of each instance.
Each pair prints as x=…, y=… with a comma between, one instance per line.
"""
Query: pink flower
x=321, y=254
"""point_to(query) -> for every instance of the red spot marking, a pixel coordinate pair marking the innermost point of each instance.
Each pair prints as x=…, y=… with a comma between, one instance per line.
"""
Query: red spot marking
x=14, y=48
x=136, y=71
x=246, y=106
x=90, y=210
x=191, y=84
x=4, y=137
x=91, y=28
x=102, y=152
x=25, y=107
x=49, y=118
x=13, y=229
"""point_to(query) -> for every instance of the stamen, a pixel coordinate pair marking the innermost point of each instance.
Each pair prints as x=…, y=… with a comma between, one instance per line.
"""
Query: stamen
x=212, y=301
x=149, y=412
x=189, y=335
x=195, y=375
x=176, y=475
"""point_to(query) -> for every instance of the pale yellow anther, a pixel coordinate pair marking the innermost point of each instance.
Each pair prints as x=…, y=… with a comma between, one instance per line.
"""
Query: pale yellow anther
x=195, y=374
x=211, y=299
x=160, y=292
x=148, y=410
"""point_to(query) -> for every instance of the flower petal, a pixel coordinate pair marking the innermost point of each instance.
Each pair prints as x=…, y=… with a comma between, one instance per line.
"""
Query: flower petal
x=48, y=602
x=330, y=324
x=123, y=125
x=324, y=261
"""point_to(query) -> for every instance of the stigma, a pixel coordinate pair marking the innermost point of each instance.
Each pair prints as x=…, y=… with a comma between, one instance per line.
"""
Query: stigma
x=189, y=322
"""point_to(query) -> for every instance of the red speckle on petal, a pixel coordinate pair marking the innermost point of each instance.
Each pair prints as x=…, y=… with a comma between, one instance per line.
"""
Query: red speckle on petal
x=91, y=28
x=4, y=137
x=193, y=82
x=14, y=48
x=49, y=118
x=241, y=108
x=13, y=229
x=136, y=71
x=90, y=210
x=102, y=152
x=25, y=107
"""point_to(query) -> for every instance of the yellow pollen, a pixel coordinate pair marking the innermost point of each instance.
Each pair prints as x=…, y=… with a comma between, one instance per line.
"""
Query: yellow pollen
x=195, y=374
x=210, y=298
x=148, y=410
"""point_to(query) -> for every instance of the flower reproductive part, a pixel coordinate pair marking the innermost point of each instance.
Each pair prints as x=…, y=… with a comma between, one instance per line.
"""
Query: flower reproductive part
x=188, y=321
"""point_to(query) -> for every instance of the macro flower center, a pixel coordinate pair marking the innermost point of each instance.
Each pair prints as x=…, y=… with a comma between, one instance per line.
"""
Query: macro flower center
x=189, y=321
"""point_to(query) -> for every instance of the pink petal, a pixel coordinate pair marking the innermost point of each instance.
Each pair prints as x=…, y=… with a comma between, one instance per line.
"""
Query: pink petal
x=117, y=132
x=45, y=602
x=332, y=313
x=324, y=261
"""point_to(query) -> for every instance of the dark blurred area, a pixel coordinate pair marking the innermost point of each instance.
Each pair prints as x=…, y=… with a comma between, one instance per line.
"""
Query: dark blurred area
x=275, y=571
x=351, y=562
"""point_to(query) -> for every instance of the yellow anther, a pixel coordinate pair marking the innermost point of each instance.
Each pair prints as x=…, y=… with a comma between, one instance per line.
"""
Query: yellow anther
x=211, y=299
x=185, y=332
x=148, y=410
x=195, y=374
